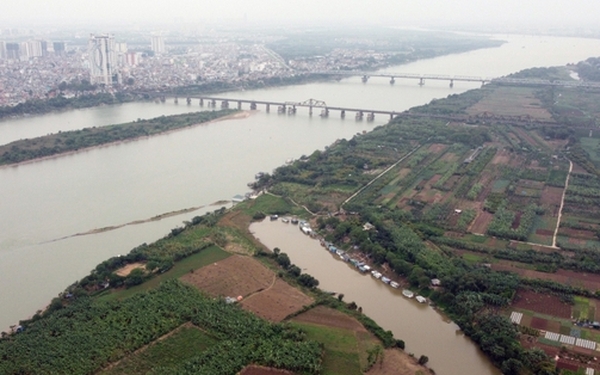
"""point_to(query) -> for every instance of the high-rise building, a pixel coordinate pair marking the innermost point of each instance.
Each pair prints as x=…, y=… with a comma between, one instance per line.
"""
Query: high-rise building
x=157, y=43
x=32, y=48
x=2, y=50
x=12, y=51
x=103, y=59
x=59, y=48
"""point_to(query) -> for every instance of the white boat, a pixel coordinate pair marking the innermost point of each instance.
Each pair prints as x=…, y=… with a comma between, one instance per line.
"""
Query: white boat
x=421, y=299
x=394, y=284
x=407, y=293
x=285, y=220
x=385, y=280
x=376, y=274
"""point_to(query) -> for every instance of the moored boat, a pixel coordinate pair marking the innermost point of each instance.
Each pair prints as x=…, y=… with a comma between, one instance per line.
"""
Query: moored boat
x=394, y=284
x=407, y=293
x=421, y=299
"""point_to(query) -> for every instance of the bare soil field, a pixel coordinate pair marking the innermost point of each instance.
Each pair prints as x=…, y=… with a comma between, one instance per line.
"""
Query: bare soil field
x=436, y=148
x=539, y=323
x=276, y=302
x=481, y=222
x=502, y=157
x=396, y=362
x=125, y=271
x=579, y=169
x=551, y=195
x=523, y=134
x=578, y=233
x=329, y=317
x=225, y=279
x=511, y=101
x=542, y=303
x=449, y=157
x=585, y=280
x=260, y=370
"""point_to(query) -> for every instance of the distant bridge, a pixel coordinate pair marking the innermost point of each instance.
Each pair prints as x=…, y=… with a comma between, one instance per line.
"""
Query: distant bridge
x=458, y=78
x=290, y=108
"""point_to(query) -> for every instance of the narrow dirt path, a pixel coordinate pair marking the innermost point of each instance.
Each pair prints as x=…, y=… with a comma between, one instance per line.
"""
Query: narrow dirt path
x=562, y=203
x=380, y=175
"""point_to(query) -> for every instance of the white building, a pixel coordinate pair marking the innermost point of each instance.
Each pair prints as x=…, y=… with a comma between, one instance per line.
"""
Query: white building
x=103, y=60
x=157, y=43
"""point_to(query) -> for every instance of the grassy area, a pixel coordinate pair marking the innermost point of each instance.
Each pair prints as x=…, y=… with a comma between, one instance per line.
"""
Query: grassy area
x=591, y=146
x=473, y=258
x=182, y=345
x=270, y=204
x=341, y=348
x=205, y=257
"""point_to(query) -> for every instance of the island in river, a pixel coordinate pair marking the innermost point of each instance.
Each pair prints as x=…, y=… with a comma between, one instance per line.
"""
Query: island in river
x=76, y=140
x=497, y=206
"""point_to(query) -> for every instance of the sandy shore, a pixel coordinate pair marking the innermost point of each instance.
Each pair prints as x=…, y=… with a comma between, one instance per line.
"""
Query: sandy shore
x=234, y=116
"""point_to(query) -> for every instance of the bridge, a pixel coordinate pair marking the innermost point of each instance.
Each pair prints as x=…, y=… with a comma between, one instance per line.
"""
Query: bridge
x=458, y=78
x=290, y=108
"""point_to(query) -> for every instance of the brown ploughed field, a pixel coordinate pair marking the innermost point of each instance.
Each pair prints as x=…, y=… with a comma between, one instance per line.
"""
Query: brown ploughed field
x=235, y=276
x=276, y=302
x=541, y=303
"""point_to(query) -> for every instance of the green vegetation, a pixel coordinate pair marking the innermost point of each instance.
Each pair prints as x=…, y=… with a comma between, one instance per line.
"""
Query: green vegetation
x=86, y=335
x=41, y=106
x=75, y=140
x=341, y=354
x=186, y=343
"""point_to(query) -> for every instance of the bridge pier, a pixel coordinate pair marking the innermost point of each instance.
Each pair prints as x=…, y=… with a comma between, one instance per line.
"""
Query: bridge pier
x=451, y=83
x=213, y=103
x=365, y=78
x=343, y=113
x=421, y=81
x=310, y=111
x=163, y=99
x=371, y=117
x=281, y=109
x=253, y=106
x=392, y=81
x=482, y=83
x=359, y=115
x=239, y=104
x=291, y=110
x=188, y=100
x=176, y=100
x=201, y=102
x=325, y=112
x=224, y=104
x=268, y=108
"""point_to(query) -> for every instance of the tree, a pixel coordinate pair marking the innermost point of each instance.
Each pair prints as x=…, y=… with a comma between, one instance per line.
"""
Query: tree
x=340, y=297
x=283, y=260
x=423, y=360
x=294, y=270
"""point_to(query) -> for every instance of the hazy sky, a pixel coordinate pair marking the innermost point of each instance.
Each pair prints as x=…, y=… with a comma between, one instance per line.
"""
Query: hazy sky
x=527, y=13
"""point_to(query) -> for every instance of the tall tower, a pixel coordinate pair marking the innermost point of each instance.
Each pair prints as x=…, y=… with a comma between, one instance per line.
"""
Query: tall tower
x=103, y=59
x=157, y=43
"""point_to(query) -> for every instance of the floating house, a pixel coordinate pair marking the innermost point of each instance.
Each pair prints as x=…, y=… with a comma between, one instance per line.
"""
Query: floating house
x=407, y=293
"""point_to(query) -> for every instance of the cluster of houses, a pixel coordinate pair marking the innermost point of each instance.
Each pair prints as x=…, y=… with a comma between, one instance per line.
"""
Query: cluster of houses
x=364, y=268
x=360, y=266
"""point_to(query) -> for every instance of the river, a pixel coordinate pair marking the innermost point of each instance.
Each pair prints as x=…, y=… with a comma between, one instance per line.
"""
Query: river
x=45, y=201
x=424, y=329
